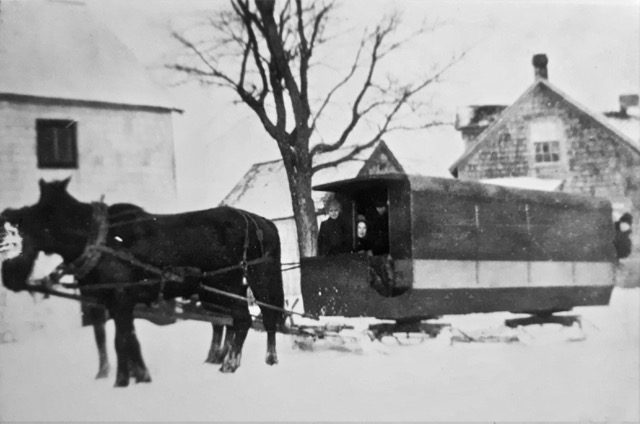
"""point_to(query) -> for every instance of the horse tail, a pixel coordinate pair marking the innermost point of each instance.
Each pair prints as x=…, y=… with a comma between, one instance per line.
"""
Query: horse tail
x=266, y=278
x=276, y=289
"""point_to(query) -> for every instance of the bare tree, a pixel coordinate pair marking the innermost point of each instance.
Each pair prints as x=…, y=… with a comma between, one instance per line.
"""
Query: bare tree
x=263, y=51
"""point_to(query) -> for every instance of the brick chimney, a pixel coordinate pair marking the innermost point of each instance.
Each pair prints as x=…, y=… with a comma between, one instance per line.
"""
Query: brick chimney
x=473, y=120
x=540, y=62
x=627, y=101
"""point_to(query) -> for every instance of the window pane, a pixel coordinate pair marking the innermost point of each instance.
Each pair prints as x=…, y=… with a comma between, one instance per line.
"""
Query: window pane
x=64, y=145
x=548, y=151
x=56, y=143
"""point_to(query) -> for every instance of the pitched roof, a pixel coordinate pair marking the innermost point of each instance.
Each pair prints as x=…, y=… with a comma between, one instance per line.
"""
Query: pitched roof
x=264, y=188
x=513, y=109
x=628, y=124
x=58, y=50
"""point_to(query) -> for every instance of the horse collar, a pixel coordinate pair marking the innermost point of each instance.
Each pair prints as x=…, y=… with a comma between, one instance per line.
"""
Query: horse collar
x=97, y=238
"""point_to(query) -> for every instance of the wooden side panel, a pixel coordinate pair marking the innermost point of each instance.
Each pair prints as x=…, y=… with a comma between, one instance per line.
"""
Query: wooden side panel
x=503, y=231
x=444, y=227
x=400, y=222
x=451, y=225
x=331, y=285
x=570, y=234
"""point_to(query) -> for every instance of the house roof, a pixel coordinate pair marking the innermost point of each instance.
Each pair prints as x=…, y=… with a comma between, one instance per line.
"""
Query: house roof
x=628, y=124
x=264, y=188
x=514, y=108
x=529, y=183
x=58, y=50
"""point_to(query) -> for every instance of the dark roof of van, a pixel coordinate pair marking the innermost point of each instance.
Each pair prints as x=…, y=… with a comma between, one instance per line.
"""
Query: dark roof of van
x=471, y=189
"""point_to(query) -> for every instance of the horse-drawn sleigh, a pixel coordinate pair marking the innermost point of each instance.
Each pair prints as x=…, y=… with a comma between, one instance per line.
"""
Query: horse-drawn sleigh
x=455, y=248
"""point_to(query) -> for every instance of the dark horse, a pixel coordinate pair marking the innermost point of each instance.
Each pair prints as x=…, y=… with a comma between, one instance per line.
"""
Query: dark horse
x=214, y=248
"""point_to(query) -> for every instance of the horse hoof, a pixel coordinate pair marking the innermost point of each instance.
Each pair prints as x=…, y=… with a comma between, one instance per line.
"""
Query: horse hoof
x=144, y=378
x=271, y=359
x=215, y=359
x=228, y=368
x=103, y=373
x=122, y=382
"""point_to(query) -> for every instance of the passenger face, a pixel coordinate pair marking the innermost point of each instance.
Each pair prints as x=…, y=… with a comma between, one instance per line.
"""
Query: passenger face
x=624, y=227
x=381, y=209
x=334, y=212
x=362, y=229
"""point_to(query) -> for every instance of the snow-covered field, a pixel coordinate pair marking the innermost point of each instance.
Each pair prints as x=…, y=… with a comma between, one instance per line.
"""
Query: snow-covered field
x=547, y=376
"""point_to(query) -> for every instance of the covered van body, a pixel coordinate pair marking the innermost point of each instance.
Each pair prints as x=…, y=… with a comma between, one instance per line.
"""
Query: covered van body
x=460, y=247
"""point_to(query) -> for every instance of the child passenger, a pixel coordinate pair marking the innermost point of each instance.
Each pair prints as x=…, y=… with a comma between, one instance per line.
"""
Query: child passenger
x=362, y=244
x=333, y=236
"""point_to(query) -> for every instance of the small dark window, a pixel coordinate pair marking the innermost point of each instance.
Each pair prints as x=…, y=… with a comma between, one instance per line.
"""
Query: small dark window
x=57, y=143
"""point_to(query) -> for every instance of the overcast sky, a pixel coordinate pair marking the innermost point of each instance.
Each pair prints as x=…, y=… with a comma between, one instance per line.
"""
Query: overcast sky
x=593, y=49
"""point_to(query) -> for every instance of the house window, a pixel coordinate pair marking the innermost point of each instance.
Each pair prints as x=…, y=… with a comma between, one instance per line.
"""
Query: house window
x=546, y=137
x=57, y=143
x=547, y=151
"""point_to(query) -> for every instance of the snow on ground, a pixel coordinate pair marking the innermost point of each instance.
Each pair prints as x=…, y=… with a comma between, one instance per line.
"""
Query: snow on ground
x=545, y=377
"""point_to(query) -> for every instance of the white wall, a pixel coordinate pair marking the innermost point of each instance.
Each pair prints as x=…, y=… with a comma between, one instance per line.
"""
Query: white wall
x=127, y=155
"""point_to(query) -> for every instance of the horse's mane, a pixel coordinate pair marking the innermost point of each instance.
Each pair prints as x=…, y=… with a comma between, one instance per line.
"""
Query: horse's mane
x=125, y=211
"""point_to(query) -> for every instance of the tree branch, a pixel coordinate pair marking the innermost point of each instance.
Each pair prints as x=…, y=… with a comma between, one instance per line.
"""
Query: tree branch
x=340, y=84
x=378, y=38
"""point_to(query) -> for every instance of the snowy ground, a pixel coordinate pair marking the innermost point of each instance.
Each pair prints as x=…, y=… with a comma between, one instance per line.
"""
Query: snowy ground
x=548, y=376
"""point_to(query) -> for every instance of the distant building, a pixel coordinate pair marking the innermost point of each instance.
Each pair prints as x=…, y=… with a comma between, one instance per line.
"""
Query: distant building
x=547, y=135
x=74, y=101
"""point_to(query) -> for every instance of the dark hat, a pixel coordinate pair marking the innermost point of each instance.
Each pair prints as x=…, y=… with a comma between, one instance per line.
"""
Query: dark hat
x=380, y=202
x=361, y=218
x=626, y=217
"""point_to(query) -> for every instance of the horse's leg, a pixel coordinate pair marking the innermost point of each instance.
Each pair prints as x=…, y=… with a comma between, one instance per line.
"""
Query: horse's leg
x=236, y=335
x=138, y=368
x=128, y=348
x=263, y=277
x=218, y=349
x=98, y=319
x=270, y=320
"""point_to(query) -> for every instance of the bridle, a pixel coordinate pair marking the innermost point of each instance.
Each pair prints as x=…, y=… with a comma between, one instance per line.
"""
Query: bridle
x=92, y=252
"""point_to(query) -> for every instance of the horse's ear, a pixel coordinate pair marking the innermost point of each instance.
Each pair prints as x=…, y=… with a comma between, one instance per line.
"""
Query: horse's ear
x=65, y=182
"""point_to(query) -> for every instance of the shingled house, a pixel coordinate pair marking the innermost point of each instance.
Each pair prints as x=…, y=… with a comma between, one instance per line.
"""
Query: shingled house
x=545, y=134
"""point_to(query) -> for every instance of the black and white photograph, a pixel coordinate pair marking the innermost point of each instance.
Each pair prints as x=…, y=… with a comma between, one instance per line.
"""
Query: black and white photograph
x=319, y=211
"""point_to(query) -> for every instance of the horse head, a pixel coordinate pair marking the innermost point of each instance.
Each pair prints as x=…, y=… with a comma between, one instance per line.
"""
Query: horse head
x=49, y=226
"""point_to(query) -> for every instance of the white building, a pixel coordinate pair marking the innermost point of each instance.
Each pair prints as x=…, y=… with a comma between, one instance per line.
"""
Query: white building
x=75, y=102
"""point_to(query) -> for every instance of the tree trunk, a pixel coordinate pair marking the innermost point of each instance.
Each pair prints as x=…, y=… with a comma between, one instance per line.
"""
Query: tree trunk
x=304, y=210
